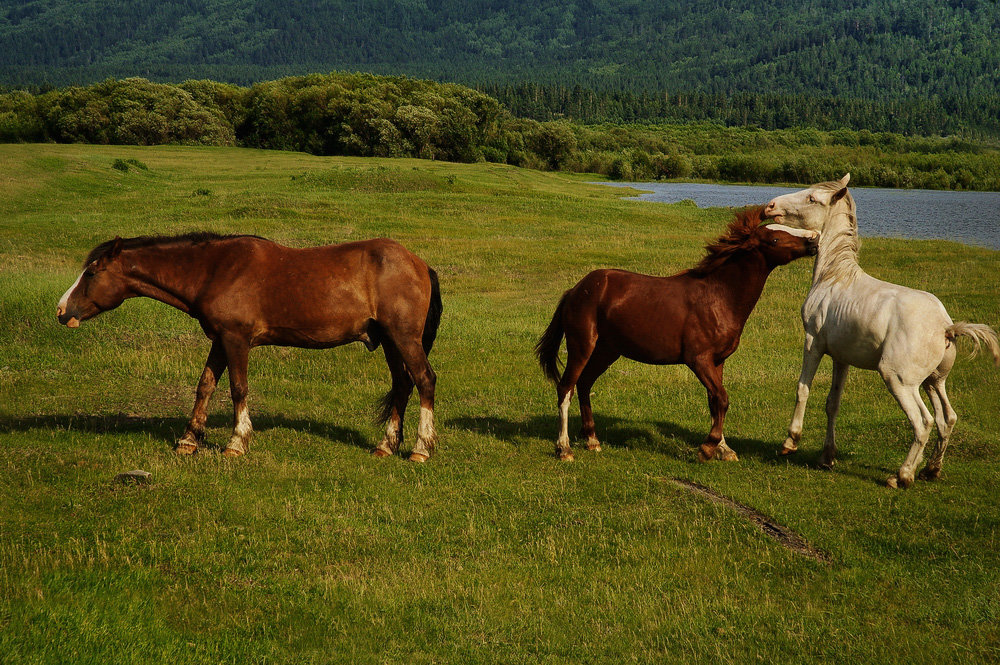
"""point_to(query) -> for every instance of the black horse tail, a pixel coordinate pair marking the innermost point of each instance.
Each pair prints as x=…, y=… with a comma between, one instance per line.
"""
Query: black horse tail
x=433, y=312
x=384, y=408
x=547, y=348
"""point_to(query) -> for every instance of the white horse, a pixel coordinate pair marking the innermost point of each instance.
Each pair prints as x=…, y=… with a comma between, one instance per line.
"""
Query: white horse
x=904, y=334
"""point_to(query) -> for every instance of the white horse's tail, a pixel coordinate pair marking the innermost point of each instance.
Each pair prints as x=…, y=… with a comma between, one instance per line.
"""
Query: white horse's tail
x=980, y=334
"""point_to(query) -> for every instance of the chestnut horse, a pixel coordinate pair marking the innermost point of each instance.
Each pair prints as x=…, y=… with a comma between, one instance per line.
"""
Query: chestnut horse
x=695, y=317
x=247, y=291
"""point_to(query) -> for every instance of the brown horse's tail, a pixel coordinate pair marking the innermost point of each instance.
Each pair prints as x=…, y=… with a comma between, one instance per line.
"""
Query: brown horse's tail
x=431, y=324
x=433, y=312
x=547, y=348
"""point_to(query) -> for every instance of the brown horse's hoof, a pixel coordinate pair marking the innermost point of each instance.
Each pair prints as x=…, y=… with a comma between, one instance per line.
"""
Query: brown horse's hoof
x=827, y=466
x=381, y=452
x=726, y=454
x=595, y=447
x=185, y=449
x=788, y=448
x=233, y=452
x=930, y=474
x=567, y=457
x=418, y=457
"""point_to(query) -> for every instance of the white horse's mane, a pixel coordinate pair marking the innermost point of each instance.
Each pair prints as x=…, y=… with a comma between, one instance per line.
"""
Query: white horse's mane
x=842, y=243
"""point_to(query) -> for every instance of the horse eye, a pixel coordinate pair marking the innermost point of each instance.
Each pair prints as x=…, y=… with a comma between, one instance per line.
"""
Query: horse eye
x=812, y=199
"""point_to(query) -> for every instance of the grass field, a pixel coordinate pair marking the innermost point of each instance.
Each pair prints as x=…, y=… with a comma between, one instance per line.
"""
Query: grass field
x=310, y=550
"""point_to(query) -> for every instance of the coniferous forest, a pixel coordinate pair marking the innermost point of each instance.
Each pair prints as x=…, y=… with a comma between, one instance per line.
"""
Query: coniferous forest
x=908, y=66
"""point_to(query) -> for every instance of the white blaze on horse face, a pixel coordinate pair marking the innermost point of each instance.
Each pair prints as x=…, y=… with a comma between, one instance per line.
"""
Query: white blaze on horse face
x=61, y=308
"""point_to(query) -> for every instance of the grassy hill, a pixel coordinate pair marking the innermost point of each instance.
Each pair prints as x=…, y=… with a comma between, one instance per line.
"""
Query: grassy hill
x=309, y=550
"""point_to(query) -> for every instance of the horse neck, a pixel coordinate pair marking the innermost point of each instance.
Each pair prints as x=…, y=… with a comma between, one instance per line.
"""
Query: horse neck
x=168, y=273
x=740, y=281
x=837, y=255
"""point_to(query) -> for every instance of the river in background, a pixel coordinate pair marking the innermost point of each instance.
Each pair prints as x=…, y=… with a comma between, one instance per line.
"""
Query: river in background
x=972, y=218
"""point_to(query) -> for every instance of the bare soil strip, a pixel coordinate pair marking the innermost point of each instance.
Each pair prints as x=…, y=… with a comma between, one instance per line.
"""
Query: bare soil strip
x=782, y=534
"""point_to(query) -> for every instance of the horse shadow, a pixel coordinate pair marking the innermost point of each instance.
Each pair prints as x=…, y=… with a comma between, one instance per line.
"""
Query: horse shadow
x=660, y=437
x=169, y=429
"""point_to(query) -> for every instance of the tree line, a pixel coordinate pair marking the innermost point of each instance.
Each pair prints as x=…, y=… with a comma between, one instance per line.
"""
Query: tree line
x=395, y=116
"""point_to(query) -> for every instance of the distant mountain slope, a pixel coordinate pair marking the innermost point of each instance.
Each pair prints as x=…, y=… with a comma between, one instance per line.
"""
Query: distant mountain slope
x=850, y=48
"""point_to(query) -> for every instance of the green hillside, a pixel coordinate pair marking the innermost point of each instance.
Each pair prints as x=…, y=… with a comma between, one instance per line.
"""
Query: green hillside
x=856, y=49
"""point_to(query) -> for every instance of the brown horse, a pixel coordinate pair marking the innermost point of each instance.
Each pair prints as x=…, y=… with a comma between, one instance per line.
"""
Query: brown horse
x=695, y=317
x=247, y=291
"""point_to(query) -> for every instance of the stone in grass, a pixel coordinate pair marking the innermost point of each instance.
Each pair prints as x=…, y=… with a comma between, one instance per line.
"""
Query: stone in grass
x=134, y=477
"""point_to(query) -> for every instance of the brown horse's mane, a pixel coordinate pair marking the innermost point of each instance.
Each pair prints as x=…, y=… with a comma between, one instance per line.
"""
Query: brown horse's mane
x=739, y=237
x=193, y=238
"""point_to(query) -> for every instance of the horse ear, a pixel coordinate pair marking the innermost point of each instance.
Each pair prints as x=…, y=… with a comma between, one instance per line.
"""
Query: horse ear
x=838, y=195
x=116, y=248
x=846, y=179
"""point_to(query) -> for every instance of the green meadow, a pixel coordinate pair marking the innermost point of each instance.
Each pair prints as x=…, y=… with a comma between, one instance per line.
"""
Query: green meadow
x=309, y=550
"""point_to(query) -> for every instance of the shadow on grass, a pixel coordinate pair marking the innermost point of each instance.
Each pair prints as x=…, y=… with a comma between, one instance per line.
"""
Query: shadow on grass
x=170, y=429
x=661, y=437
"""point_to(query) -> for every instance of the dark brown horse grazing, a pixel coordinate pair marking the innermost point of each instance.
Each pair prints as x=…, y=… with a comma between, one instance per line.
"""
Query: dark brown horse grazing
x=695, y=317
x=247, y=291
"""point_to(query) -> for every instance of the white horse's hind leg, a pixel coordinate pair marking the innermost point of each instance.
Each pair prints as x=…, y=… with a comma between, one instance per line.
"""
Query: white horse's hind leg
x=811, y=356
x=945, y=417
x=829, y=456
x=920, y=418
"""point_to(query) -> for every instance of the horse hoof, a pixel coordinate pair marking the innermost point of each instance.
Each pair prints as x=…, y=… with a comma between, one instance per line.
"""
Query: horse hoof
x=727, y=456
x=232, y=452
x=379, y=452
x=185, y=449
x=595, y=446
x=787, y=448
x=418, y=457
x=930, y=474
x=826, y=466
x=895, y=482
x=566, y=457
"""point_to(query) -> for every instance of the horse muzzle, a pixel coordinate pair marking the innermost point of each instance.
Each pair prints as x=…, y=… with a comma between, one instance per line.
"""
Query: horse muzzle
x=66, y=319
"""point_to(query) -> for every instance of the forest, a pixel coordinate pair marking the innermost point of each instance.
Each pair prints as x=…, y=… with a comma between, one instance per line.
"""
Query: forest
x=368, y=115
x=908, y=66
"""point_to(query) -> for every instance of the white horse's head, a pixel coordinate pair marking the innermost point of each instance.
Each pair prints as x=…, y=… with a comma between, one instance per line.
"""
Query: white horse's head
x=811, y=208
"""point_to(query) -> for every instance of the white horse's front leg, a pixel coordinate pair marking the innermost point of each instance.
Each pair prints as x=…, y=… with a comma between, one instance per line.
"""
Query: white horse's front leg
x=811, y=355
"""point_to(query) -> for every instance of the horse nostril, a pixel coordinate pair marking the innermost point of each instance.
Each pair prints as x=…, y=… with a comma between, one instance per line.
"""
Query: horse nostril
x=60, y=311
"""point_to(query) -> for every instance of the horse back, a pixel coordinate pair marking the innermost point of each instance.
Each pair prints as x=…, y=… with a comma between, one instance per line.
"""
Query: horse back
x=643, y=316
x=317, y=296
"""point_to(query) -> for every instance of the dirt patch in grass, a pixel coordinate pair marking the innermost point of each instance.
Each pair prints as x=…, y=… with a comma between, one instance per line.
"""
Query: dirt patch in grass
x=779, y=532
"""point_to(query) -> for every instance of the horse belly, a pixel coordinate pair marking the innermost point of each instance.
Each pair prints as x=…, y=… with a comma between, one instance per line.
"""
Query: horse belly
x=646, y=344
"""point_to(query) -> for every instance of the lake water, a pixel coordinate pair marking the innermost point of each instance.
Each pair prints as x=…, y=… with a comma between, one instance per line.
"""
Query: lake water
x=972, y=218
